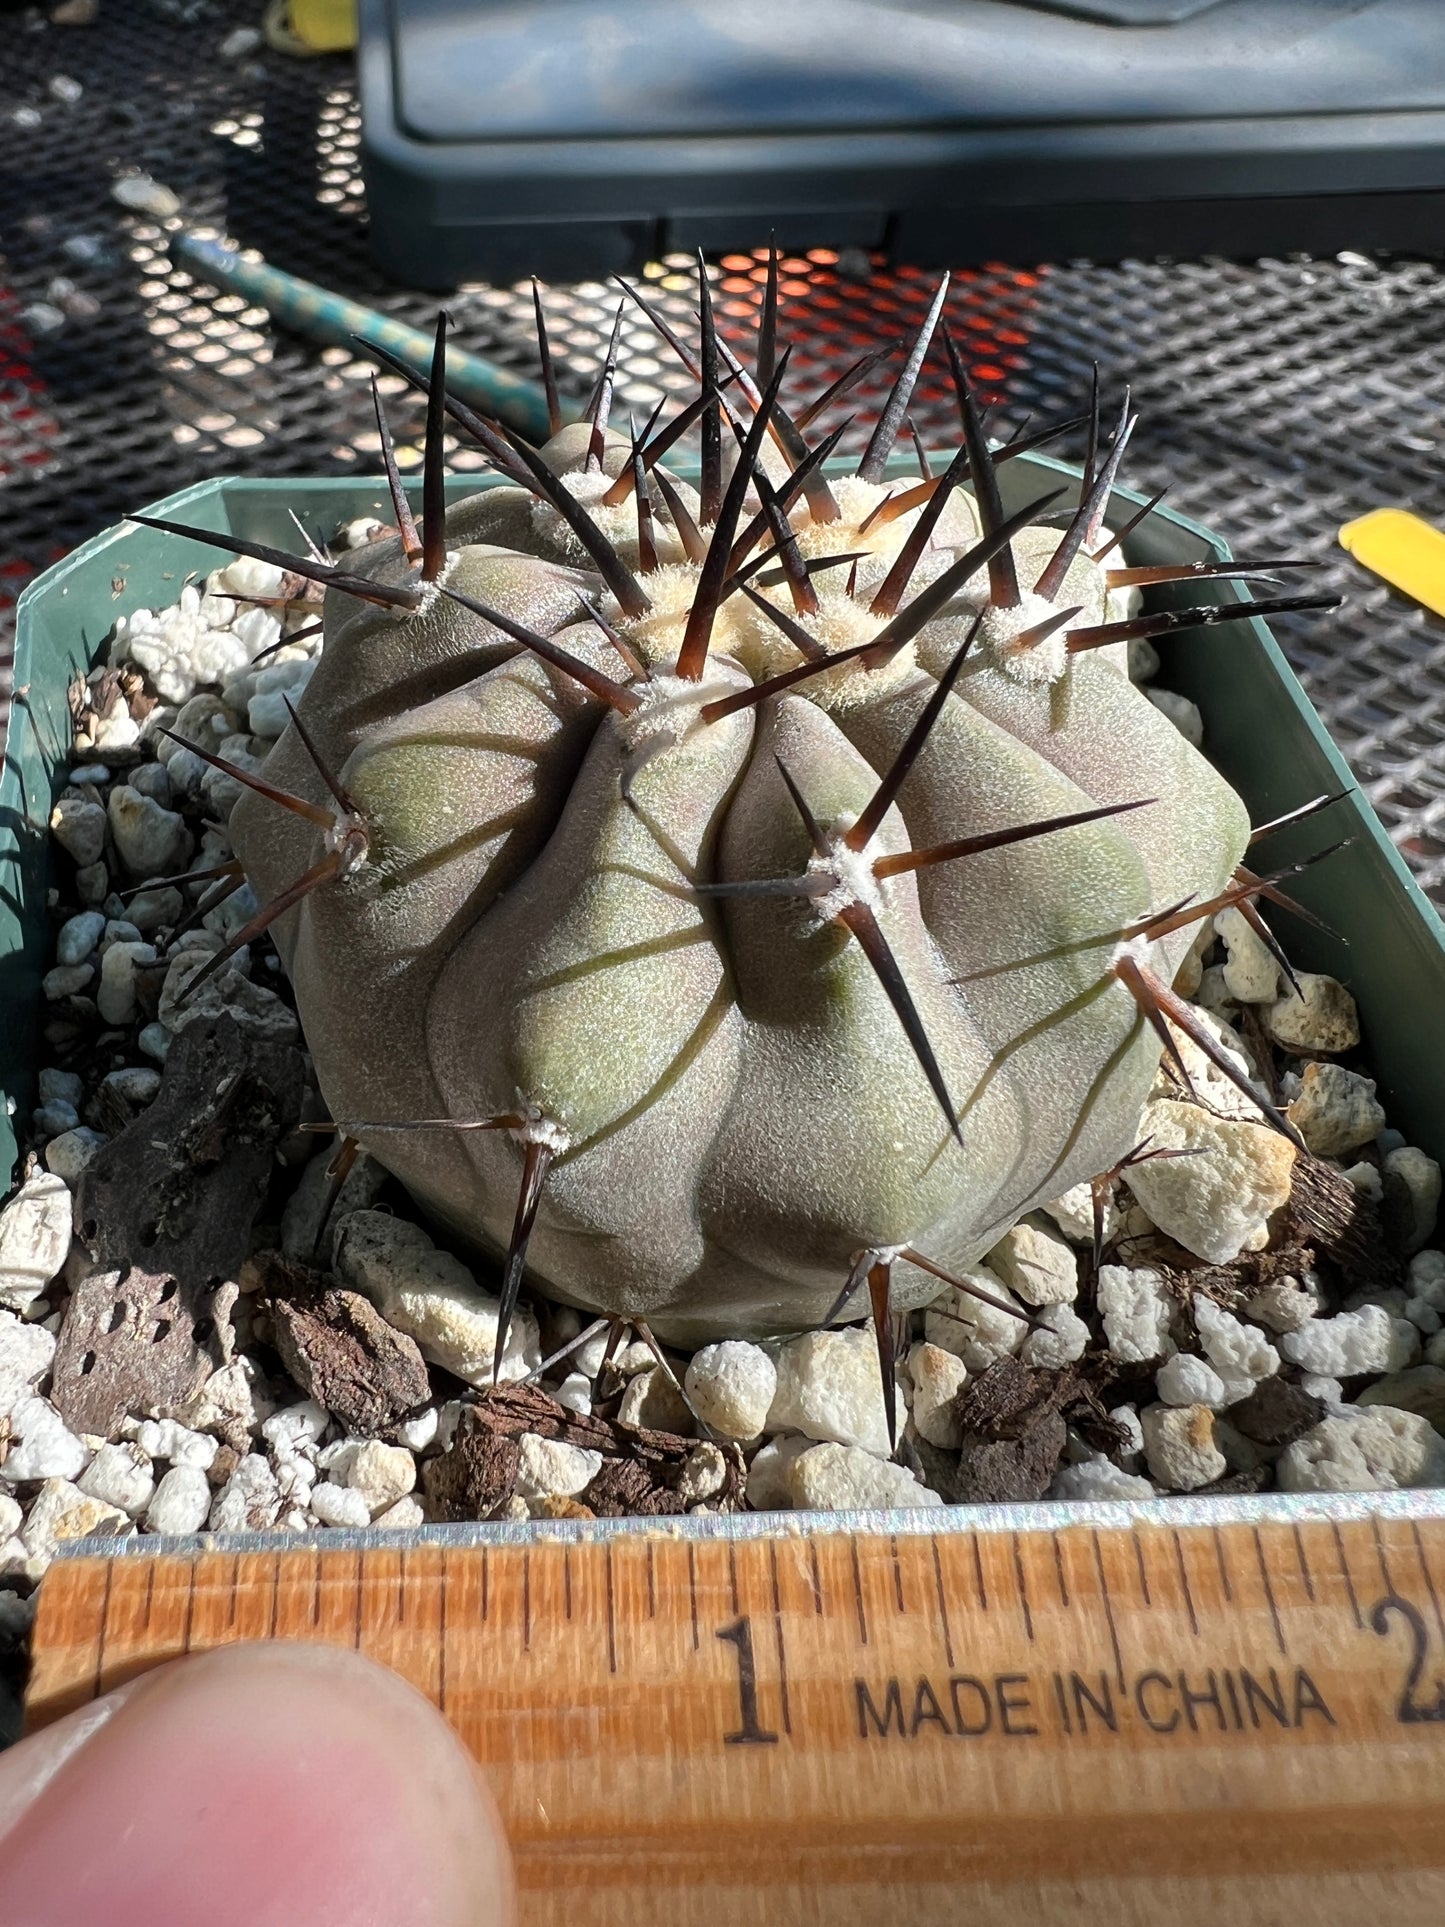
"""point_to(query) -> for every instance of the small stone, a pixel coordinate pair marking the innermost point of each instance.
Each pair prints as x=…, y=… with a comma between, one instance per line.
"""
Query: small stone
x=10, y=1516
x=1336, y=1110
x=1098, y=1478
x=230, y=1406
x=68, y=1154
x=250, y=1499
x=60, y=1087
x=155, y=1041
x=116, y=997
x=63, y=1512
x=1285, y=1306
x=66, y=980
x=1251, y=976
x=1367, y=1339
x=1187, y=1380
x=768, y=1484
x=732, y=1386
x=419, y=1431
x=1420, y=1388
x=92, y=883
x=976, y=1332
x=1216, y=1202
x=78, y=826
x=340, y=1349
x=405, y=1516
x=35, y=1232
x=381, y=1473
x=1364, y=1449
x=938, y=1378
x=175, y=1444
x=575, y=1393
x=1036, y=1264
x=42, y=1446
x=1425, y=1300
x=653, y=1402
x=703, y=1475
x=550, y=1468
x=1328, y=1391
x=1412, y=1197
x=51, y=1120
x=433, y=1298
x=136, y=1084
x=120, y=1475
x=1138, y=1313
x=150, y=839
x=844, y=1478
x=1276, y=1412
x=1181, y=712
x=1180, y=1448
x=301, y=1424
x=26, y=1352
x=78, y=937
x=182, y=1501
x=152, y=909
x=1323, y=1019
x=1063, y=1339
x=144, y=196
x=301, y=1221
x=828, y=1388
x=339, y=1505
x=1234, y=1349
x=1073, y=1213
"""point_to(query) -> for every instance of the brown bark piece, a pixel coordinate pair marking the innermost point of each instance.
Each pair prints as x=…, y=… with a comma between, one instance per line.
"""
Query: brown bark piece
x=165, y=1211
x=339, y=1348
x=474, y=1475
x=1276, y=1412
x=1004, y=1471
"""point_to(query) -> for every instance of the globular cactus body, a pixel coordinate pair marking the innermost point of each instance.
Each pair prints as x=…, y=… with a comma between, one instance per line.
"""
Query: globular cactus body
x=720, y=996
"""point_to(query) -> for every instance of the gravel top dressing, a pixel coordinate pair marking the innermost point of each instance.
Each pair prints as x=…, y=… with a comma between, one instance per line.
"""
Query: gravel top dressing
x=1222, y=1313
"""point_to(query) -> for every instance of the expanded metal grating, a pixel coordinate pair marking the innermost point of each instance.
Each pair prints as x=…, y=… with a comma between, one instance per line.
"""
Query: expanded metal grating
x=1279, y=398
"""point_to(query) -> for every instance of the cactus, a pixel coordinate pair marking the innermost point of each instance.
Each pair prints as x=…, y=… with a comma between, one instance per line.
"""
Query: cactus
x=737, y=905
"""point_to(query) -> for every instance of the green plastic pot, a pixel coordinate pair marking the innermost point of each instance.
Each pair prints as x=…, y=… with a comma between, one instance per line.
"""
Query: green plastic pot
x=1260, y=730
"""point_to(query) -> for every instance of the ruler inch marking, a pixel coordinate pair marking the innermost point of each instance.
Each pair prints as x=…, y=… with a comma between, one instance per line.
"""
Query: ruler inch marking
x=733, y=1578
x=1304, y=1564
x=978, y=1573
x=1427, y=1576
x=1022, y=1586
x=1059, y=1569
x=1108, y=1606
x=778, y=1634
x=1268, y=1590
x=692, y=1588
x=816, y=1578
x=1345, y=1574
x=150, y=1595
x=897, y=1573
x=1219, y=1559
x=1184, y=1580
x=858, y=1592
x=1143, y=1570
x=612, y=1611
x=1380, y=1555
x=942, y=1604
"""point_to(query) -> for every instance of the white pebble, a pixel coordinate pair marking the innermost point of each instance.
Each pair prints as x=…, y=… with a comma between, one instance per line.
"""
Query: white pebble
x=136, y=1084
x=116, y=997
x=768, y=1489
x=938, y=1377
x=575, y=1393
x=181, y=1502
x=1138, y=1313
x=652, y=1402
x=1187, y=1380
x=1323, y=1019
x=250, y=1499
x=1418, y=1178
x=155, y=1041
x=552, y=1469
x=1364, y=1449
x=1336, y=1110
x=829, y=1388
x=66, y=980
x=1365, y=1340
x=1180, y=1447
x=42, y=1446
x=1073, y=1213
x=61, y=1512
x=78, y=826
x=120, y=1475
x=1285, y=1305
x=1318, y=1386
x=1036, y=1264
x=1251, y=976
x=339, y=1505
x=1217, y=1202
x=1098, y=1478
x=150, y=839
x=304, y=1423
x=10, y=1516
x=1235, y=1350
x=176, y=1444
x=704, y=1473
x=974, y=1331
x=35, y=1232
x=78, y=937
x=1065, y=1338
x=844, y=1478
x=420, y=1430
x=26, y=1352
x=381, y=1473
x=1181, y=712
x=732, y=1386
x=405, y=1516
x=68, y=1154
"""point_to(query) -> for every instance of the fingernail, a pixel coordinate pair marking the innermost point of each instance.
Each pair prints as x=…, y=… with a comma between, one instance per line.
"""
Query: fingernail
x=261, y=1786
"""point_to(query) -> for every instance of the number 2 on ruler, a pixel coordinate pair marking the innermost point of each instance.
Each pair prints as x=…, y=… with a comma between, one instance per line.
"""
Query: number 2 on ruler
x=751, y=1732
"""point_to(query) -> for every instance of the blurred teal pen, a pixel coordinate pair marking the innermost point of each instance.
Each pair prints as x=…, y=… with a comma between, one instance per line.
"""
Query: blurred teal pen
x=324, y=316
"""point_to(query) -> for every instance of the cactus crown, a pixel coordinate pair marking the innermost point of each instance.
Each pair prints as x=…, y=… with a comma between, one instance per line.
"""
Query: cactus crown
x=738, y=904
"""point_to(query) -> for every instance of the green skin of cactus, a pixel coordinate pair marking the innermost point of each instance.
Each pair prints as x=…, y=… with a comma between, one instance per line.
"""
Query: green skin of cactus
x=735, y=1111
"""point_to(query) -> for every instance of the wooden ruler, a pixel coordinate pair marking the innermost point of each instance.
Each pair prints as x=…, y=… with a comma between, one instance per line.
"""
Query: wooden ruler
x=1232, y=1717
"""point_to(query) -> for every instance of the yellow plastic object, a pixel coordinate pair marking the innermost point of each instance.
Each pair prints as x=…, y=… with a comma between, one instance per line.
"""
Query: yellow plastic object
x=1403, y=548
x=312, y=26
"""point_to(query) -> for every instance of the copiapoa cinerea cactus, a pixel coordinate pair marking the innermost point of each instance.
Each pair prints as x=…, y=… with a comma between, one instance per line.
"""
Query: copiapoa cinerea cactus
x=736, y=906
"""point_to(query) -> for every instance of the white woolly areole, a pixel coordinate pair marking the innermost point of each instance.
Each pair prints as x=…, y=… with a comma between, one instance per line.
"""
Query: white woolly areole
x=856, y=501
x=618, y=523
x=850, y=873
x=668, y=706
x=426, y=590
x=537, y=1129
x=1039, y=662
x=1136, y=947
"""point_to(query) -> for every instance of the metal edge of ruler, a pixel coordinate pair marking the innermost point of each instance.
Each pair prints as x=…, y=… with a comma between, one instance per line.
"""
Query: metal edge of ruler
x=1279, y=1508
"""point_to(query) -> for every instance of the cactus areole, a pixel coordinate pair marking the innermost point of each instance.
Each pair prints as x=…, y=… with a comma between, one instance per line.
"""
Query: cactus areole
x=735, y=906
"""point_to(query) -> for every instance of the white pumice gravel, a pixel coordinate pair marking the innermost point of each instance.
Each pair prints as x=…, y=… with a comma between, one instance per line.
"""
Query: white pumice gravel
x=803, y=1415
